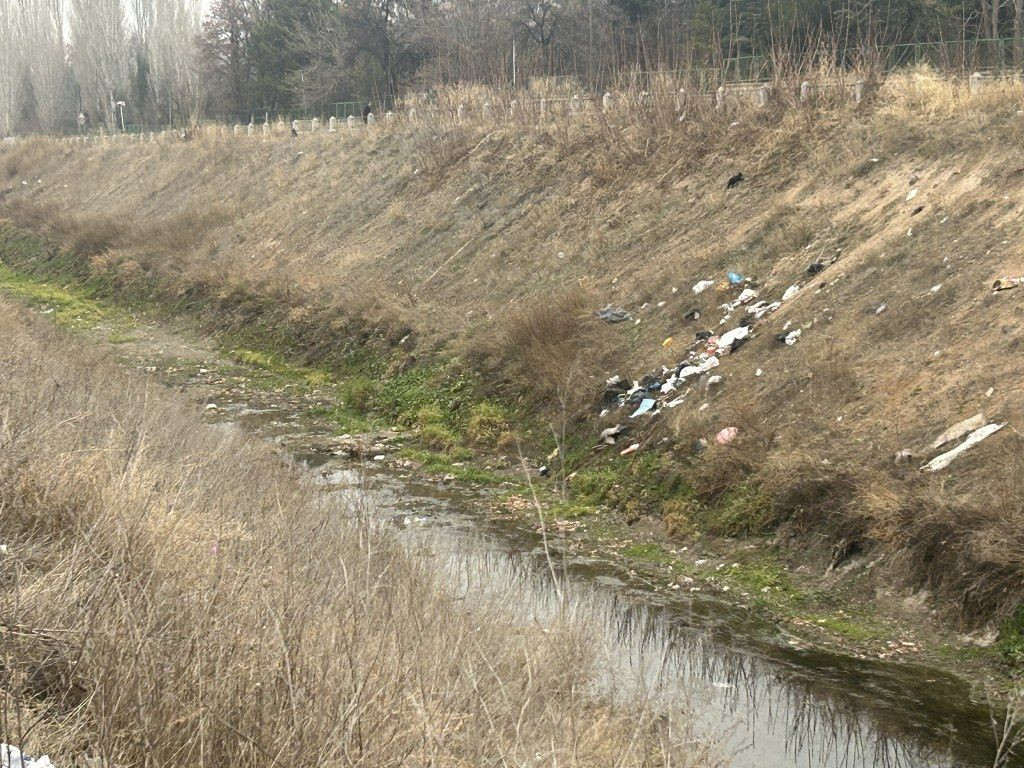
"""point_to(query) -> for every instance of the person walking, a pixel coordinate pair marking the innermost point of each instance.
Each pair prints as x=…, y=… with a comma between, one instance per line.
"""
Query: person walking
x=366, y=111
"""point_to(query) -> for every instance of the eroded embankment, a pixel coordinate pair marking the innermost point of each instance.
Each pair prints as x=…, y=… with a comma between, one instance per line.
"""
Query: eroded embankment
x=391, y=254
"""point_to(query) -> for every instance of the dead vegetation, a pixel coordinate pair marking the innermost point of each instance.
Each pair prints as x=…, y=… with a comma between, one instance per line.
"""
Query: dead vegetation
x=174, y=595
x=499, y=238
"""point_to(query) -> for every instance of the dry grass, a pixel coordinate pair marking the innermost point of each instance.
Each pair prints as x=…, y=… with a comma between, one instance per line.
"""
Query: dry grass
x=448, y=235
x=173, y=595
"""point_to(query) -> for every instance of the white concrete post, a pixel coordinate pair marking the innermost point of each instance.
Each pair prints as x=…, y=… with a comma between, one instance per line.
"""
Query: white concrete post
x=858, y=92
x=680, y=99
x=574, y=104
x=389, y=116
x=265, y=130
x=543, y=108
x=512, y=107
x=606, y=102
x=460, y=112
x=975, y=83
x=412, y=114
x=720, y=97
x=486, y=111
x=371, y=119
x=314, y=124
x=237, y=129
x=350, y=121
x=295, y=125
x=250, y=129
x=332, y=124
x=761, y=96
x=805, y=90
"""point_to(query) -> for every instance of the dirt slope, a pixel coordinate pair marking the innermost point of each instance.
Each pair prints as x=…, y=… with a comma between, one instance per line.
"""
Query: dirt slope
x=453, y=233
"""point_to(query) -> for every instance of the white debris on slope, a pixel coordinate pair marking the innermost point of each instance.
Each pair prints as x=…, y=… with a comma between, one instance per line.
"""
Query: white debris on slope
x=12, y=757
x=943, y=460
x=959, y=429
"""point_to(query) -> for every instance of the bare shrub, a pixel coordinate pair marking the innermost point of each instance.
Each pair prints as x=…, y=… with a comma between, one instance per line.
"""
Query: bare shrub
x=173, y=594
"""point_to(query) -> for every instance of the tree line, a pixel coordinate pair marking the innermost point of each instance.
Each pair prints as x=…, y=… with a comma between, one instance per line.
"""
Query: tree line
x=155, y=62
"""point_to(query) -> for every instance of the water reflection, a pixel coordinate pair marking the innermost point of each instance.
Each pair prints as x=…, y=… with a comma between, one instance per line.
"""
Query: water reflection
x=771, y=704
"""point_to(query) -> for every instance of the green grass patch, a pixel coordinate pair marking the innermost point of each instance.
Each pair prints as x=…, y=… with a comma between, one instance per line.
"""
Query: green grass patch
x=70, y=308
x=860, y=629
x=649, y=552
x=568, y=510
x=1011, y=638
x=445, y=464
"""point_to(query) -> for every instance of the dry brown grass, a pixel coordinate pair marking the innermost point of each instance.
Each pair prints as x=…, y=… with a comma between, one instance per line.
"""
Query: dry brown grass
x=444, y=233
x=173, y=595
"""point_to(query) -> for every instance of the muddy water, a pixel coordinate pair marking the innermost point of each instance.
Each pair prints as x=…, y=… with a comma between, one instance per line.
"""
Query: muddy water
x=770, y=704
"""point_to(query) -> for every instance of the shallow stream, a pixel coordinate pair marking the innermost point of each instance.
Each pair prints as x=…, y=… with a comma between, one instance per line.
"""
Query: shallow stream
x=770, y=704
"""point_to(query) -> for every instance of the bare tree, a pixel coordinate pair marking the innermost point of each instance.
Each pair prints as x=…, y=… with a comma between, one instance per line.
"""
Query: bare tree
x=99, y=53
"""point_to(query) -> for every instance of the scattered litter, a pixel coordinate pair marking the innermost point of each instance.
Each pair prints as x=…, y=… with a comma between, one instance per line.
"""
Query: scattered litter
x=702, y=286
x=734, y=180
x=958, y=430
x=902, y=458
x=735, y=278
x=736, y=334
x=746, y=295
x=645, y=406
x=379, y=457
x=677, y=402
x=758, y=372
x=667, y=342
x=612, y=314
x=713, y=381
x=693, y=314
x=917, y=210
x=935, y=288
x=543, y=471
x=1007, y=283
x=211, y=406
x=943, y=460
x=911, y=194
x=631, y=449
x=881, y=308
x=989, y=391
x=674, y=290
x=727, y=435
x=791, y=338
x=815, y=267
x=12, y=757
x=792, y=291
x=611, y=434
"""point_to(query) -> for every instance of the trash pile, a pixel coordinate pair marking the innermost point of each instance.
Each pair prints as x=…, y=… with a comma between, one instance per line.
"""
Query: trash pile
x=743, y=310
